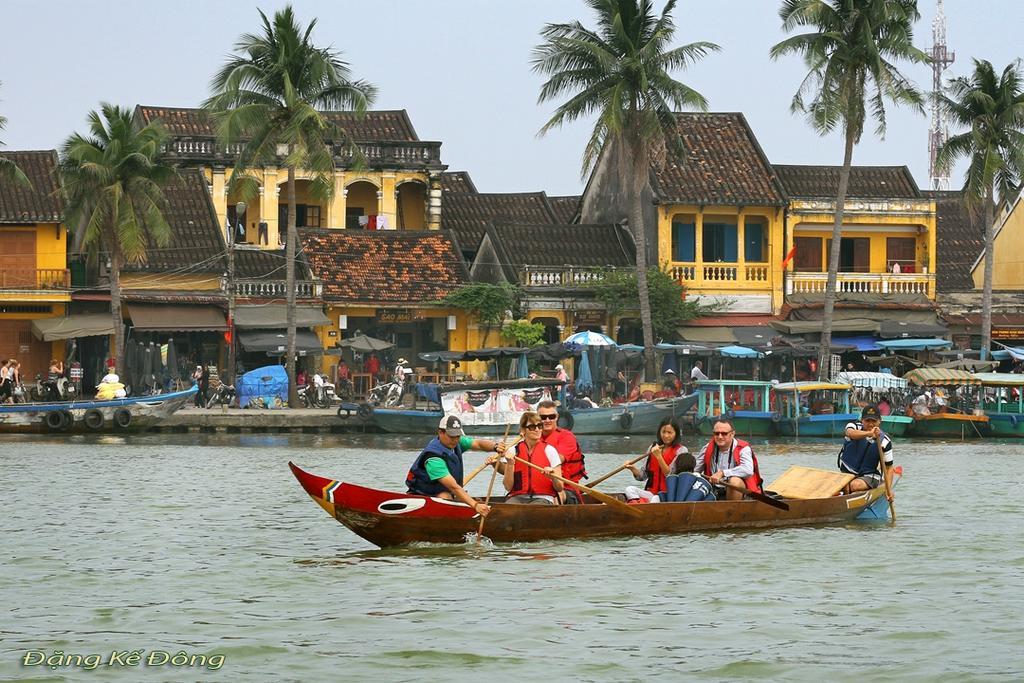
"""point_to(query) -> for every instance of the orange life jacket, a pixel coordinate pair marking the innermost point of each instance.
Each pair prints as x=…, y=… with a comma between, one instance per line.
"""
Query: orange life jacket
x=656, y=482
x=753, y=482
x=573, y=466
x=528, y=481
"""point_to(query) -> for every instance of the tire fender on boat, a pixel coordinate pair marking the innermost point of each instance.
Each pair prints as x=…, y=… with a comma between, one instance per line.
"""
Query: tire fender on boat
x=122, y=418
x=68, y=420
x=364, y=411
x=776, y=417
x=566, y=421
x=54, y=420
x=626, y=420
x=93, y=419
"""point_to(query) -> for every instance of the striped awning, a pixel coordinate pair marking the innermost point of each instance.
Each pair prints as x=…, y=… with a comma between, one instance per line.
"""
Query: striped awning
x=940, y=377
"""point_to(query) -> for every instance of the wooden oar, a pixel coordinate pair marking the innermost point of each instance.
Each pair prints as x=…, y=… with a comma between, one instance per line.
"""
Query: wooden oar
x=478, y=470
x=490, y=487
x=885, y=480
x=618, y=469
x=603, y=497
x=760, y=497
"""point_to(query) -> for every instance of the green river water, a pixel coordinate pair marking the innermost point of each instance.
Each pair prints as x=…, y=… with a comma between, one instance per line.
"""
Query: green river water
x=202, y=554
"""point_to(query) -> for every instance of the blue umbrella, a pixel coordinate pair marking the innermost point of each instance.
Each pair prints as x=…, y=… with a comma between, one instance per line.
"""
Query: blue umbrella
x=584, y=382
x=588, y=338
x=739, y=352
x=523, y=370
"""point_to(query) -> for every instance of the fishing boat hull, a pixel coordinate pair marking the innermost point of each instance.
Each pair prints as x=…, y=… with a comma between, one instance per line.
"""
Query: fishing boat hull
x=951, y=425
x=133, y=414
x=1006, y=424
x=746, y=423
x=831, y=425
x=628, y=418
x=896, y=425
x=392, y=519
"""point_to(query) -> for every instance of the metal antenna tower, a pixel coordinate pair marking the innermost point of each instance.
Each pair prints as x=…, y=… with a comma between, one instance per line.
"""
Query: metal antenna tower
x=939, y=132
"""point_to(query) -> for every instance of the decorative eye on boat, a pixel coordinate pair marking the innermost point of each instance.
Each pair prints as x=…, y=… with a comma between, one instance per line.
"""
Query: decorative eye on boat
x=399, y=506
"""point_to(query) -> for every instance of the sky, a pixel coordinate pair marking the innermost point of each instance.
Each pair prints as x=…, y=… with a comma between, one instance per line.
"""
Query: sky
x=461, y=68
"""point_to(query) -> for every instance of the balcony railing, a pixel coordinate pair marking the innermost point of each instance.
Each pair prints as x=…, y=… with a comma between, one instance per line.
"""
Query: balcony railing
x=863, y=283
x=277, y=289
x=35, y=278
x=377, y=154
x=565, y=276
x=728, y=275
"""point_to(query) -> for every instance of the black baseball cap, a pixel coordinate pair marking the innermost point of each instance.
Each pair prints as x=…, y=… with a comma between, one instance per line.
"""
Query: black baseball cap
x=451, y=425
x=871, y=413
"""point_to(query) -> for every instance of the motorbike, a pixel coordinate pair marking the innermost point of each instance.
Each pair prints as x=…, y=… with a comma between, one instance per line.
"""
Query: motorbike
x=388, y=394
x=50, y=390
x=318, y=394
x=222, y=395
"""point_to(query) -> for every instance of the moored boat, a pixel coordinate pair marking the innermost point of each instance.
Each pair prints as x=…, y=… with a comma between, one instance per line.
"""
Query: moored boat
x=392, y=519
x=744, y=402
x=813, y=408
x=955, y=417
x=1002, y=399
x=131, y=414
x=873, y=387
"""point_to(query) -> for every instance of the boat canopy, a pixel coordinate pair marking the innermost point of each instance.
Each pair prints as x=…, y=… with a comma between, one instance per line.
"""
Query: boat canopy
x=714, y=383
x=1000, y=379
x=872, y=380
x=811, y=386
x=941, y=377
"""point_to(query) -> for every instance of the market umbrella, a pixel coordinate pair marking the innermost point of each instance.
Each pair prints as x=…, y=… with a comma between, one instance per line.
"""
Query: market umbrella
x=172, y=362
x=588, y=338
x=147, y=366
x=584, y=380
x=523, y=367
x=360, y=343
x=159, y=372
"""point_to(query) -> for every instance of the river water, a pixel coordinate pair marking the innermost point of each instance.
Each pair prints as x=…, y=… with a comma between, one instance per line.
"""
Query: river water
x=204, y=548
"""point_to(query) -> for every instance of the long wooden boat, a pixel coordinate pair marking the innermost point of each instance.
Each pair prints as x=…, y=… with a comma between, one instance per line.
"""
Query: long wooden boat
x=392, y=519
x=132, y=414
x=641, y=417
x=951, y=425
x=794, y=418
x=744, y=402
x=1005, y=412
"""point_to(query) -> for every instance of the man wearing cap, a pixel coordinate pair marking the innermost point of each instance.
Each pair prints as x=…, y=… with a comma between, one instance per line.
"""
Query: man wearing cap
x=437, y=471
x=859, y=455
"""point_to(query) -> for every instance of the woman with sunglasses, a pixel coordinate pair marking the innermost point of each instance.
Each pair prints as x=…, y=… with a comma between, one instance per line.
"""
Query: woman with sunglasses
x=527, y=485
x=661, y=458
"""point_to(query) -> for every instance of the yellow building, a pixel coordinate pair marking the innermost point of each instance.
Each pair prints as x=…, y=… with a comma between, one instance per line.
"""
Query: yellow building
x=399, y=187
x=35, y=282
x=1007, y=266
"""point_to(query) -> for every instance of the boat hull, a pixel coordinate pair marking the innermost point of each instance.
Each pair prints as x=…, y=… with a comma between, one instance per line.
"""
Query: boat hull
x=896, y=425
x=816, y=425
x=144, y=411
x=752, y=424
x=951, y=425
x=1005, y=424
x=643, y=418
x=392, y=519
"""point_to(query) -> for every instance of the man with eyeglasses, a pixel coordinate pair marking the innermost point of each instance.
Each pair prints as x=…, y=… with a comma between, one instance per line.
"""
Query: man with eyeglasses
x=438, y=471
x=727, y=459
x=568, y=448
x=859, y=454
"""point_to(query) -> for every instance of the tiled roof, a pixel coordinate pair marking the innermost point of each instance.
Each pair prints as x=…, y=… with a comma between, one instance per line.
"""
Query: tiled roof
x=40, y=203
x=867, y=182
x=959, y=240
x=519, y=245
x=457, y=181
x=196, y=243
x=565, y=208
x=723, y=164
x=374, y=126
x=262, y=264
x=468, y=215
x=386, y=266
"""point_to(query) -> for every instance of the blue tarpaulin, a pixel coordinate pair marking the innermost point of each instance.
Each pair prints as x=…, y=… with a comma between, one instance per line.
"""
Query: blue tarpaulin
x=915, y=344
x=860, y=343
x=267, y=383
x=739, y=352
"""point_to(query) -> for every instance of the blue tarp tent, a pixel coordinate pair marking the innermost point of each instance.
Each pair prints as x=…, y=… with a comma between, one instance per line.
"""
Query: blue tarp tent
x=267, y=383
x=739, y=352
x=860, y=343
x=914, y=344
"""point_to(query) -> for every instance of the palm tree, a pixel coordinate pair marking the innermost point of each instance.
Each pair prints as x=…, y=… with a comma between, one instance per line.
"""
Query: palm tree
x=851, y=51
x=112, y=180
x=620, y=71
x=992, y=108
x=8, y=169
x=271, y=94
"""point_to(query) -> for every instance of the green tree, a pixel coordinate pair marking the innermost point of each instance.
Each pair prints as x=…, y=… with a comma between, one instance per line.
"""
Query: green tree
x=991, y=107
x=619, y=291
x=488, y=303
x=850, y=48
x=523, y=332
x=8, y=169
x=112, y=182
x=271, y=95
x=620, y=72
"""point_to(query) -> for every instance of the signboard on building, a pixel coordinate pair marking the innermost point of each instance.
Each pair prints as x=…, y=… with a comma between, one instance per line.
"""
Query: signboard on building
x=590, y=317
x=397, y=315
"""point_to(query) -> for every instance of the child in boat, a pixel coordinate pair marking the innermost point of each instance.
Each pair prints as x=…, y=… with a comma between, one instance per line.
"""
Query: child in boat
x=659, y=464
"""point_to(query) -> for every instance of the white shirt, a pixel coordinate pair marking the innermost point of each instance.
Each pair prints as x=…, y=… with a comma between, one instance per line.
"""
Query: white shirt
x=697, y=374
x=723, y=462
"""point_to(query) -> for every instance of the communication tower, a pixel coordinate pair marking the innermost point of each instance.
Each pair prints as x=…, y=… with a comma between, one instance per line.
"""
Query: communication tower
x=939, y=132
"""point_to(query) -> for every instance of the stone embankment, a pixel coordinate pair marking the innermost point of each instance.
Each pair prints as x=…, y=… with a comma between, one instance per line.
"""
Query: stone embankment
x=235, y=420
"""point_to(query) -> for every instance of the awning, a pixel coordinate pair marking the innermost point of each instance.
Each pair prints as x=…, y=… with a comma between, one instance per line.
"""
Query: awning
x=896, y=329
x=714, y=335
x=871, y=380
x=860, y=343
x=940, y=377
x=176, y=318
x=73, y=326
x=276, y=315
x=276, y=341
x=811, y=326
x=915, y=344
x=739, y=352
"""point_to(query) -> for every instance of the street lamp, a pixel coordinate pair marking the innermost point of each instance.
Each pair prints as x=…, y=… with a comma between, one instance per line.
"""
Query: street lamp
x=239, y=221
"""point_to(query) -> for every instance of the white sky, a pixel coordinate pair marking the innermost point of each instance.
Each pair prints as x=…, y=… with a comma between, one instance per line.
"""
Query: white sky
x=460, y=68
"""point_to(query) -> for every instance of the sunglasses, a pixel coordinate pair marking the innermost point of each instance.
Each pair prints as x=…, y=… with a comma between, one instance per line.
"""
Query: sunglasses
x=535, y=425
x=722, y=433
x=548, y=417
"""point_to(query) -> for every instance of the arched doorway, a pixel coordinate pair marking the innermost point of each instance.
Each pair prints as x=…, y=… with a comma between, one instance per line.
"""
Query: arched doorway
x=552, y=328
x=411, y=209
x=360, y=203
x=629, y=331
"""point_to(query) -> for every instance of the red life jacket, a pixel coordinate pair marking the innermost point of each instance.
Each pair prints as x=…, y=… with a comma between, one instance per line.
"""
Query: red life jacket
x=528, y=481
x=753, y=482
x=656, y=482
x=563, y=441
